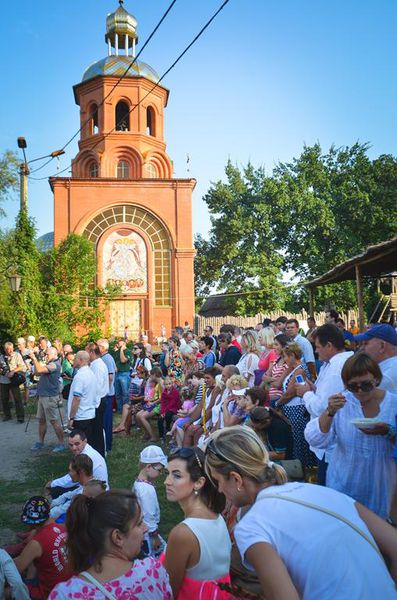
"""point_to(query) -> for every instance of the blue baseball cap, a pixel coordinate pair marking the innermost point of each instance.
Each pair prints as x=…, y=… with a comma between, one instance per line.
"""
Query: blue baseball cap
x=383, y=332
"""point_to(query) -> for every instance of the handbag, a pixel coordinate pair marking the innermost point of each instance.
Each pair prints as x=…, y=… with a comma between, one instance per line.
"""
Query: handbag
x=294, y=469
x=18, y=379
x=99, y=585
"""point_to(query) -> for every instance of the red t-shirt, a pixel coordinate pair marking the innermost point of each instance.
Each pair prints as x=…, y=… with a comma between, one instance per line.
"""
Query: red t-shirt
x=51, y=566
x=170, y=400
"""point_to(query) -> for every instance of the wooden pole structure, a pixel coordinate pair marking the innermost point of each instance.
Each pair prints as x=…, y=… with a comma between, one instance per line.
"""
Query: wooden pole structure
x=311, y=301
x=360, y=301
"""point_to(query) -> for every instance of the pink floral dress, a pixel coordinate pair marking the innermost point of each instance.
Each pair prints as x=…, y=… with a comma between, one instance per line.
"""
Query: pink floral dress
x=146, y=580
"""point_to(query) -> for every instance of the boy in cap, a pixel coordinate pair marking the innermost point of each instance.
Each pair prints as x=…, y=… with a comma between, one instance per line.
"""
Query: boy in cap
x=44, y=557
x=152, y=461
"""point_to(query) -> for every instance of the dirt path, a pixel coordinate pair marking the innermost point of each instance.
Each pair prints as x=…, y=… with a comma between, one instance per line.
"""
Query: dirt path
x=15, y=444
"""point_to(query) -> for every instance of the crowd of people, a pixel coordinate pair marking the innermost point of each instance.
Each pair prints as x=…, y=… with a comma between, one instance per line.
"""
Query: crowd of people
x=240, y=421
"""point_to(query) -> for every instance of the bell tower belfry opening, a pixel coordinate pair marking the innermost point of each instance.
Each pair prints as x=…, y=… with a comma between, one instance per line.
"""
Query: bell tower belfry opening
x=122, y=194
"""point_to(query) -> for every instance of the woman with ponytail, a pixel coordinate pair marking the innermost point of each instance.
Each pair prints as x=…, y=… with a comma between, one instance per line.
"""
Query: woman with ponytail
x=198, y=549
x=105, y=535
x=302, y=540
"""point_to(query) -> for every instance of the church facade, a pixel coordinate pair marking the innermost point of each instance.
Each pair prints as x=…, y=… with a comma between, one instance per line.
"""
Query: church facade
x=122, y=194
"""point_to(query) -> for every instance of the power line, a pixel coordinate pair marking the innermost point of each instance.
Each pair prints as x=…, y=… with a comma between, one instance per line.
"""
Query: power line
x=115, y=85
x=153, y=88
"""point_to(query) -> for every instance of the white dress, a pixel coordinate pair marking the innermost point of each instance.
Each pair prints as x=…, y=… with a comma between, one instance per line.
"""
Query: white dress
x=361, y=465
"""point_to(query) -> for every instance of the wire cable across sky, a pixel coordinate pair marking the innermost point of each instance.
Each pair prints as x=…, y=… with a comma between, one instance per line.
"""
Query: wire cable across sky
x=115, y=85
x=173, y=65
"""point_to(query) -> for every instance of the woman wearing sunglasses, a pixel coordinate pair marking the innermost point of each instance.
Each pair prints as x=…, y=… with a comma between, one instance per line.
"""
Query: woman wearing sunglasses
x=361, y=463
x=302, y=540
x=198, y=549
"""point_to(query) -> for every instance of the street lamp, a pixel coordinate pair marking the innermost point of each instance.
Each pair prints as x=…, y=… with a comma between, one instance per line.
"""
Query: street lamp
x=15, y=282
x=13, y=277
x=24, y=170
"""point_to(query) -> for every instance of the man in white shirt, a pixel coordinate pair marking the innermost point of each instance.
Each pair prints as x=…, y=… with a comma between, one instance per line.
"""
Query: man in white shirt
x=112, y=369
x=330, y=346
x=100, y=371
x=380, y=342
x=292, y=331
x=78, y=445
x=82, y=395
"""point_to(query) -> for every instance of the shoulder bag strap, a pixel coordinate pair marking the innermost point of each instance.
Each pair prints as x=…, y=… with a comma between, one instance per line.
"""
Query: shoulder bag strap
x=328, y=512
x=99, y=585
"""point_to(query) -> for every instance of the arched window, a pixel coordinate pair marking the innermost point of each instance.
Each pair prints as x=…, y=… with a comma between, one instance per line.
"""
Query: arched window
x=123, y=169
x=122, y=116
x=93, y=170
x=94, y=119
x=150, y=121
x=150, y=170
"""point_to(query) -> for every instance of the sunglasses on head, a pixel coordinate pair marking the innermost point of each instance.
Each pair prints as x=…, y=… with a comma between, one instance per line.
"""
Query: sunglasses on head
x=186, y=453
x=362, y=386
x=210, y=447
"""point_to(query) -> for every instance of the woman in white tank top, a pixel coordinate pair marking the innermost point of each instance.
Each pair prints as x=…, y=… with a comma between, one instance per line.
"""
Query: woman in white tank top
x=198, y=549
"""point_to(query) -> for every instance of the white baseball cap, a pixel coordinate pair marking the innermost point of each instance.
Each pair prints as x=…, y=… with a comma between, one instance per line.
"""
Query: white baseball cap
x=31, y=338
x=152, y=455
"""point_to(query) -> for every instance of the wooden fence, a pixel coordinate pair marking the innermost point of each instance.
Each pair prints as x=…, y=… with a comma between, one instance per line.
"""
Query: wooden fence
x=216, y=322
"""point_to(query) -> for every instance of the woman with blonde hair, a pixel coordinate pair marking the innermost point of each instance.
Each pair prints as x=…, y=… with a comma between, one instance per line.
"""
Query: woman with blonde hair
x=249, y=360
x=267, y=356
x=232, y=413
x=281, y=536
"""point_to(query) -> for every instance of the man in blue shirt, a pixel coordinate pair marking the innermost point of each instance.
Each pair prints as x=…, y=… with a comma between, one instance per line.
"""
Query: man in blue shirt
x=48, y=392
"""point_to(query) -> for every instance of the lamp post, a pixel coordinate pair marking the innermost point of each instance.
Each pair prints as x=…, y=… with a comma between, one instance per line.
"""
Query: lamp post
x=15, y=282
x=24, y=171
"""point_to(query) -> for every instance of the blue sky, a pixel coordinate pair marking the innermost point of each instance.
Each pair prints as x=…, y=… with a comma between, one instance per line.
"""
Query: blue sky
x=266, y=78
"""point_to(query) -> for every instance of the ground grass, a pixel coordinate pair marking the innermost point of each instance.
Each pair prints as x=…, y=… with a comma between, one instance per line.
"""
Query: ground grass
x=123, y=468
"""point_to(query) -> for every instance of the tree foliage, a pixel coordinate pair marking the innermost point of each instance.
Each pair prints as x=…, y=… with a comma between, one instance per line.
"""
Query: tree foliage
x=241, y=254
x=303, y=219
x=58, y=297
x=8, y=176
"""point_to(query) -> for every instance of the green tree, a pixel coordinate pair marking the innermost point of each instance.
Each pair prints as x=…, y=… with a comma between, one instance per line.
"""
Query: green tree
x=8, y=176
x=240, y=254
x=72, y=302
x=25, y=306
x=303, y=219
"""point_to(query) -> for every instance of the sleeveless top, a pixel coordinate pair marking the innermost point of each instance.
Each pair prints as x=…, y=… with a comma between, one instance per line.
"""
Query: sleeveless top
x=215, y=547
x=215, y=550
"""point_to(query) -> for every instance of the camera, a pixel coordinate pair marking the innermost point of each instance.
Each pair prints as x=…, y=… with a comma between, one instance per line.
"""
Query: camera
x=4, y=369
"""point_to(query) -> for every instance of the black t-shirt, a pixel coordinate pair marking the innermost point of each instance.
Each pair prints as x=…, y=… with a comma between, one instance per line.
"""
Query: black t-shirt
x=280, y=437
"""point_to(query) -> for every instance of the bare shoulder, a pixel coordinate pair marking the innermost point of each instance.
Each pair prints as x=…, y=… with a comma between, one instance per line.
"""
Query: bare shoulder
x=181, y=534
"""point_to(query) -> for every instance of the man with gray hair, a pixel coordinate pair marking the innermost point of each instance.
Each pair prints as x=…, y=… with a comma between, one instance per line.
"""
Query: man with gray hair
x=48, y=389
x=82, y=396
x=11, y=363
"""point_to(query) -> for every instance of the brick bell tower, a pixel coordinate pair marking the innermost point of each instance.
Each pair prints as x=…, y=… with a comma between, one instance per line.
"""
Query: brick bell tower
x=122, y=194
